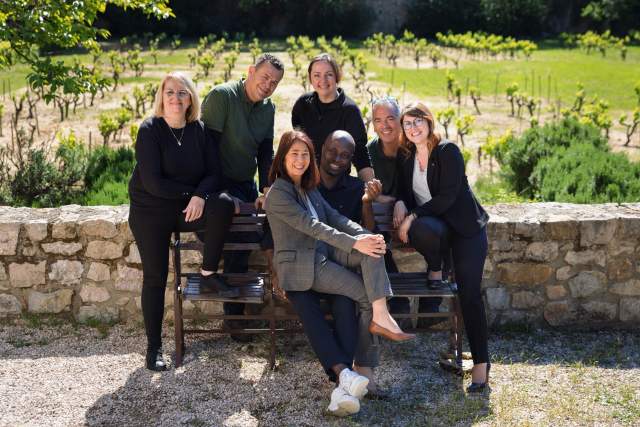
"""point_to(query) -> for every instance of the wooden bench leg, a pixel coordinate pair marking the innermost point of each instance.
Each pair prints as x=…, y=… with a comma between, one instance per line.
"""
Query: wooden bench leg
x=178, y=327
x=272, y=332
x=459, y=332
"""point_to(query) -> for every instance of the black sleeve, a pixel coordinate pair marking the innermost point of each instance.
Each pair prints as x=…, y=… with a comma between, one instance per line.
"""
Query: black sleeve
x=355, y=126
x=451, y=178
x=296, y=114
x=213, y=179
x=265, y=158
x=403, y=190
x=149, y=162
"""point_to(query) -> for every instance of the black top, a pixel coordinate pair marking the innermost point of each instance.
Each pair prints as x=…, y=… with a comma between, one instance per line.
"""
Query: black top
x=384, y=167
x=452, y=198
x=318, y=120
x=167, y=173
x=345, y=197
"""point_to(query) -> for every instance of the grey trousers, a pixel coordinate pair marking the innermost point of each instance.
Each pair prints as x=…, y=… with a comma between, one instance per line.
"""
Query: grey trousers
x=332, y=276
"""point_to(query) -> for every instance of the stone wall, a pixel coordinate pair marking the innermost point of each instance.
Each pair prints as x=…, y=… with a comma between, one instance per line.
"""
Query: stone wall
x=548, y=263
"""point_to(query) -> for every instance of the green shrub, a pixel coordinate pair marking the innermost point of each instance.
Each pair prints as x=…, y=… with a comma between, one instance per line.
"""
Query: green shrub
x=107, y=176
x=109, y=193
x=518, y=156
x=492, y=189
x=583, y=173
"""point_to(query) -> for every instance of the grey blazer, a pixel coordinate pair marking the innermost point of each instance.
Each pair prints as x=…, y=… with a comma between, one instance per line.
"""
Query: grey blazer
x=296, y=233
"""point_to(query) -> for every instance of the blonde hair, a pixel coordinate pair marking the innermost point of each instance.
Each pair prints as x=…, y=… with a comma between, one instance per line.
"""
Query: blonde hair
x=419, y=109
x=193, y=112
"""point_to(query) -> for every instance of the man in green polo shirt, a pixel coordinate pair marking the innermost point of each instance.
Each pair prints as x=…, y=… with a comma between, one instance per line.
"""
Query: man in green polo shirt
x=240, y=116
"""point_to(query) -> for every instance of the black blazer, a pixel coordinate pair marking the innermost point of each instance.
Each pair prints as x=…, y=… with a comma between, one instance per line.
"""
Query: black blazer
x=452, y=198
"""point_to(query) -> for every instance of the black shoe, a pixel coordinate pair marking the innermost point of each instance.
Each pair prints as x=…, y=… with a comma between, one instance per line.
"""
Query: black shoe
x=480, y=387
x=215, y=284
x=237, y=324
x=453, y=286
x=437, y=285
x=155, y=361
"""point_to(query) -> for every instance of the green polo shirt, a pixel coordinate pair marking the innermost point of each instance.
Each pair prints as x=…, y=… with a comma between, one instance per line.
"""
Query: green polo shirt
x=243, y=125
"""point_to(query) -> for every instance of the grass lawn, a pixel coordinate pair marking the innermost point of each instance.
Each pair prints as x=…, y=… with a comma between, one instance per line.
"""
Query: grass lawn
x=609, y=77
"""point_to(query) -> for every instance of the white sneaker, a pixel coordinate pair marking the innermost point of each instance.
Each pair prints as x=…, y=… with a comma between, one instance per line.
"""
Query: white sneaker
x=353, y=383
x=342, y=404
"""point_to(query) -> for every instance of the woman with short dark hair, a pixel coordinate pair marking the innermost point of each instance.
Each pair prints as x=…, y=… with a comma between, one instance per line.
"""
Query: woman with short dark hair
x=328, y=109
x=436, y=204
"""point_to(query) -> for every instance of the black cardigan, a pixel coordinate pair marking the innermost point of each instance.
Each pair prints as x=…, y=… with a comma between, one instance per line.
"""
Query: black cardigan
x=318, y=120
x=167, y=174
x=452, y=199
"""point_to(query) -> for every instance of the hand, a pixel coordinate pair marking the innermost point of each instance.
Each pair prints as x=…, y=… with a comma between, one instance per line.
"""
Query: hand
x=372, y=190
x=259, y=202
x=194, y=209
x=403, y=230
x=399, y=213
x=371, y=244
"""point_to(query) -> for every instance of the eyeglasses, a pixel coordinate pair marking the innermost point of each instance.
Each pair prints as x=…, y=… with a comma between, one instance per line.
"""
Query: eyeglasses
x=407, y=125
x=181, y=94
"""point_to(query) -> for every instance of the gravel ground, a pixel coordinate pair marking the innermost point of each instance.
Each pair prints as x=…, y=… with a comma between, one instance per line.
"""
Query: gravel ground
x=56, y=373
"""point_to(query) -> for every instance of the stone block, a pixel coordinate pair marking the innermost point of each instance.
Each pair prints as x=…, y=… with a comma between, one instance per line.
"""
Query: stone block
x=601, y=310
x=61, y=248
x=122, y=301
x=102, y=249
x=620, y=268
x=488, y=268
x=191, y=257
x=542, y=251
x=529, y=229
x=129, y=279
x=134, y=255
x=93, y=293
x=9, y=305
x=526, y=300
x=586, y=258
x=3, y=273
x=103, y=314
x=617, y=248
x=53, y=302
x=516, y=273
x=36, y=230
x=565, y=273
x=557, y=313
x=587, y=283
x=26, y=275
x=66, y=272
x=98, y=272
x=210, y=307
x=9, y=233
x=98, y=227
x=64, y=229
x=497, y=298
x=597, y=231
x=556, y=292
x=561, y=228
x=629, y=288
x=630, y=310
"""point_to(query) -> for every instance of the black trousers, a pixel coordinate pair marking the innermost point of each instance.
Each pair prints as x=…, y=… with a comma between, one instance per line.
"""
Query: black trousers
x=331, y=345
x=152, y=228
x=238, y=261
x=434, y=240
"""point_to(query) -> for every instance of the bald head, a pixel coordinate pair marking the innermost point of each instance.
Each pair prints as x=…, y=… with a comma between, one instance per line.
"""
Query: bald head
x=337, y=152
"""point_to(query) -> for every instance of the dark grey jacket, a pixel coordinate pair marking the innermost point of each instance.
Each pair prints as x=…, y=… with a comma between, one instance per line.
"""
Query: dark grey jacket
x=296, y=233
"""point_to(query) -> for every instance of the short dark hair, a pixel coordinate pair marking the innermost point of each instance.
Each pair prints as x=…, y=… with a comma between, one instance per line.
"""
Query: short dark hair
x=311, y=177
x=271, y=59
x=328, y=59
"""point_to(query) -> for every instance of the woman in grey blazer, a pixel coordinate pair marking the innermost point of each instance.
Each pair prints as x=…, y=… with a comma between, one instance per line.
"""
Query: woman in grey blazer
x=314, y=246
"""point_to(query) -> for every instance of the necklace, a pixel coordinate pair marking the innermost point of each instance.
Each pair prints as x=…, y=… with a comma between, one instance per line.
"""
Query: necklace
x=178, y=140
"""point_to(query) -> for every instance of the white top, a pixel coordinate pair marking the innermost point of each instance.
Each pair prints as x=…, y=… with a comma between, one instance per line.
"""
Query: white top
x=420, y=186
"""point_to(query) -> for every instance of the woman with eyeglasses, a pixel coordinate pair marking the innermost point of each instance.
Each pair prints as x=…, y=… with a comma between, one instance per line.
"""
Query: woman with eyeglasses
x=328, y=109
x=437, y=205
x=175, y=186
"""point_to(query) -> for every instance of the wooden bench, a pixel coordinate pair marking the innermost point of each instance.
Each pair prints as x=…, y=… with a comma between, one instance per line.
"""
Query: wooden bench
x=257, y=288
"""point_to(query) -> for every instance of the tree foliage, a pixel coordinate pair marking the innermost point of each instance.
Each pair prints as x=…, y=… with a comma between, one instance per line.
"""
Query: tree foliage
x=30, y=28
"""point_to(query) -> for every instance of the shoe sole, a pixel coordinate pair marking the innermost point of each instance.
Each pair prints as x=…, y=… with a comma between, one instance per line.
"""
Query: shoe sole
x=358, y=387
x=345, y=409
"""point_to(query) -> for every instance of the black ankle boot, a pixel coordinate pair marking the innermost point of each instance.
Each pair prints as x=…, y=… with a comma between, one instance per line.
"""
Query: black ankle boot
x=155, y=361
x=437, y=285
x=216, y=284
x=480, y=387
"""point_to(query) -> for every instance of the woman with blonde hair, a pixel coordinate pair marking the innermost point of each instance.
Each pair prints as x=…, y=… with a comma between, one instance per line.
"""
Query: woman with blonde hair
x=436, y=206
x=175, y=186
